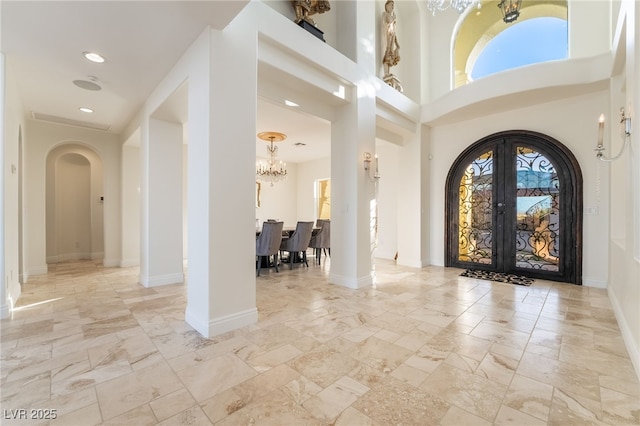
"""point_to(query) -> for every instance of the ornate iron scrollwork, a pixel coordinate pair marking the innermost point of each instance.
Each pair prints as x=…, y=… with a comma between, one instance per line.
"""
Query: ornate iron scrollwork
x=538, y=213
x=475, y=235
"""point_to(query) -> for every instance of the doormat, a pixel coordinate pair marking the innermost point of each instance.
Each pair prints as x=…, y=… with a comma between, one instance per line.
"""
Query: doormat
x=497, y=276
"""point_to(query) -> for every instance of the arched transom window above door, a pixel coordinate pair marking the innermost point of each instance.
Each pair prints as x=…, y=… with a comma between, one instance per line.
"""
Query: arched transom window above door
x=479, y=33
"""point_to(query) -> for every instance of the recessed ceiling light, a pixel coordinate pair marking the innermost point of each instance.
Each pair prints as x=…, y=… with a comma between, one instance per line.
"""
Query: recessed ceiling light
x=87, y=85
x=290, y=103
x=94, y=57
x=85, y=109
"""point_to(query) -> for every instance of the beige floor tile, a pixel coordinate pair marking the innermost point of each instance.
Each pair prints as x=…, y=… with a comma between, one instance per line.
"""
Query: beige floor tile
x=301, y=389
x=509, y=416
x=458, y=417
x=327, y=404
x=352, y=417
x=423, y=346
x=497, y=368
x=85, y=416
x=171, y=404
x=276, y=409
x=139, y=416
x=478, y=395
x=529, y=396
x=392, y=401
x=124, y=393
x=191, y=416
x=228, y=371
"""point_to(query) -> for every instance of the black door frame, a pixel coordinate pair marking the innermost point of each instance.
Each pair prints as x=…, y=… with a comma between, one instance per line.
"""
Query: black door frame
x=571, y=207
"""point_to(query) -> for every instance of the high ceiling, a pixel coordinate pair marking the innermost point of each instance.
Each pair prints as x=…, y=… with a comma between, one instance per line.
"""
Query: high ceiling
x=44, y=43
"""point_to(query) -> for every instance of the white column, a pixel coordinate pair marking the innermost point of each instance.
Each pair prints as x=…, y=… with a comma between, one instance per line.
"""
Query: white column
x=412, y=195
x=161, y=231
x=353, y=134
x=221, y=290
x=5, y=308
x=130, y=250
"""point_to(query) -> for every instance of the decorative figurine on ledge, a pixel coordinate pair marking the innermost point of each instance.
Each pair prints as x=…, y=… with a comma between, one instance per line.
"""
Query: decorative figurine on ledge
x=391, y=55
x=304, y=9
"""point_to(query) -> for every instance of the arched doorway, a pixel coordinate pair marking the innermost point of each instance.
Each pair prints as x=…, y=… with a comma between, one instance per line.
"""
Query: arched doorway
x=74, y=204
x=514, y=204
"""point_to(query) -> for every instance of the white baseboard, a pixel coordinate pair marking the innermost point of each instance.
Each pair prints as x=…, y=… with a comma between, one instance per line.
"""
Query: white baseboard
x=110, y=263
x=220, y=325
x=595, y=283
x=384, y=254
x=353, y=283
x=627, y=336
x=37, y=270
x=159, y=280
x=412, y=263
x=73, y=256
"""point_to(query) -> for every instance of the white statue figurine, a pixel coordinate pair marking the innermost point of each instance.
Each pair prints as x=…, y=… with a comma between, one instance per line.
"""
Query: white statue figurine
x=391, y=55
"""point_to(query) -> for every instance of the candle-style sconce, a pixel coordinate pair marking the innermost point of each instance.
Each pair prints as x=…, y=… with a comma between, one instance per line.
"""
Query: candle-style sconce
x=625, y=129
x=367, y=167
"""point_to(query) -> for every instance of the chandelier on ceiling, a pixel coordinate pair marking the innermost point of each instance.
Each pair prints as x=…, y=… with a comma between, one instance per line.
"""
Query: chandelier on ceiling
x=440, y=5
x=510, y=10
x=271, y=171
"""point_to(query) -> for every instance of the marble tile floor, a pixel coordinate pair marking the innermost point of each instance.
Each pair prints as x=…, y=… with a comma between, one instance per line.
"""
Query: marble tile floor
x=420, y=347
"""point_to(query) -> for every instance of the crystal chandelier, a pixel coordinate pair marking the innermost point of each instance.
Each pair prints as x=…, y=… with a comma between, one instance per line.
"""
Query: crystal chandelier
x=271, y=172
x=440, y=5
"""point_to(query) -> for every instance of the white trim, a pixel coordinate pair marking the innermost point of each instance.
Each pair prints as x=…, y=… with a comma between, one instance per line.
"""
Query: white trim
x=110, y=263
x=366, y=281
x=159, y=280
x=627, y=336
x=411, y=262
x=595, y=283
x=223, y=324
x=38, y=270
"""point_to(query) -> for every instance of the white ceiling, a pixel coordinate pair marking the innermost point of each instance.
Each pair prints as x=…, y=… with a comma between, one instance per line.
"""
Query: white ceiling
x=44, y=40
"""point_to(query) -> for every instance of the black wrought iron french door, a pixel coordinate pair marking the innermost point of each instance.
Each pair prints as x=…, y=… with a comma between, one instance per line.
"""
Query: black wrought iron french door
x=514, y=204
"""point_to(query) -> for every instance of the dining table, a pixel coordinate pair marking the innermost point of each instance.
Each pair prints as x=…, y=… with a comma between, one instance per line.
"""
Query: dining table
x=287, y=232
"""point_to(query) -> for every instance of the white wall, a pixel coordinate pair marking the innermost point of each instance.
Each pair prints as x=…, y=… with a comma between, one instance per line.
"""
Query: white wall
x=11, y=127
x=130, y=206
x=624, y=254
x=387, y=200
x=39, y=139
x=308, y=173
x=280, y=200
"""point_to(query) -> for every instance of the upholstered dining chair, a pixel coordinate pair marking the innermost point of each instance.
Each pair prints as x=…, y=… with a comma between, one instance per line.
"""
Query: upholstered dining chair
x=322, y=239
x=268, y=244
x=298, y=242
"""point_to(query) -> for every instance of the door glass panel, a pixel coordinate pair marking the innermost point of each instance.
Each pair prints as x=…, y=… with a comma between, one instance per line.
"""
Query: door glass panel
x=538, y=219
x=476, y=210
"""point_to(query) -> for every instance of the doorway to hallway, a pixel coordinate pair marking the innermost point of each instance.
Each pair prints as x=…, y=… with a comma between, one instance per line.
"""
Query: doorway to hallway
x=514, y=205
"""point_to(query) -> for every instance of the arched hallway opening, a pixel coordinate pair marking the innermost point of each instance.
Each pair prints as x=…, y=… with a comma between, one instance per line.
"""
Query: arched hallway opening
x=74, y=204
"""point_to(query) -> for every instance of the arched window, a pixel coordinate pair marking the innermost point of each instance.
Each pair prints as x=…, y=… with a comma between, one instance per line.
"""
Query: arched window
x=484, y=44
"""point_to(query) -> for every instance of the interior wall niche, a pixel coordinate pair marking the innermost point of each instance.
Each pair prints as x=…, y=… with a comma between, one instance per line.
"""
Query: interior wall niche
x=74, y=201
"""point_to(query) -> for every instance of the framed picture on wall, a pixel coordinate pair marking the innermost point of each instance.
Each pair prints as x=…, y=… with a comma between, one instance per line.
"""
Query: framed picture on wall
x=257, y=194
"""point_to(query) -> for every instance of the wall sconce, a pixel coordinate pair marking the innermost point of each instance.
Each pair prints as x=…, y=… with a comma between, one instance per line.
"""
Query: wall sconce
x=367, y=167
x=625, y=128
